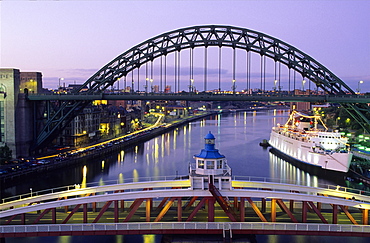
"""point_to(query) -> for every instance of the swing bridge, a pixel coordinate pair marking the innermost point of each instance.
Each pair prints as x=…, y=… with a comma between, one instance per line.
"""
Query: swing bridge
x=178, y=206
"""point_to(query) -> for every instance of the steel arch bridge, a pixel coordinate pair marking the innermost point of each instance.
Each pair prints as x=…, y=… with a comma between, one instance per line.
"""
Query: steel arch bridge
x=190, y=38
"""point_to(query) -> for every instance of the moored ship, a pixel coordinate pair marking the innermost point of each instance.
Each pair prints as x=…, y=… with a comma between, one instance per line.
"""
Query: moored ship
x=306, y=139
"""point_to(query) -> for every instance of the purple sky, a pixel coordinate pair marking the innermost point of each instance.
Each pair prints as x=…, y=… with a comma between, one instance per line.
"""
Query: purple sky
x=73, y=39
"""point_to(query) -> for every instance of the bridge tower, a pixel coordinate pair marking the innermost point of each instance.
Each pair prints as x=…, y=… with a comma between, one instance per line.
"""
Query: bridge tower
x=210, y=167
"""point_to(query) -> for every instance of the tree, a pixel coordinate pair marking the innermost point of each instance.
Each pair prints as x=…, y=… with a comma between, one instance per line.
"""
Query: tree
x=5, y=154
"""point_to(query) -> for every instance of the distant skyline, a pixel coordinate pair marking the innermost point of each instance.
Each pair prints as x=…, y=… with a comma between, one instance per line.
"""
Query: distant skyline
x=74, y=39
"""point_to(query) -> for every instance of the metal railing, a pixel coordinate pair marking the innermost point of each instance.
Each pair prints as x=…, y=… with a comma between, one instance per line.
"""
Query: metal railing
x=90, y=184
x=174, y=177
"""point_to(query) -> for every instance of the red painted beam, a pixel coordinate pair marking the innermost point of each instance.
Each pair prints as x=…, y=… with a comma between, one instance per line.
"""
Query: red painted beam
x=71, y=213
x=41, y=215
x=135, y=205
x=196, y=209
x=102, y=211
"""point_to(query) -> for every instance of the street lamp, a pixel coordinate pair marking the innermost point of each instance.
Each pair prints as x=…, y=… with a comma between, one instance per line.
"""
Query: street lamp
x=275, y=85
x=59, y=81
x=31, y=191
x=303, y=82
x=358, y=87
x=146, y=85
x=191, y=86
x=234, y=86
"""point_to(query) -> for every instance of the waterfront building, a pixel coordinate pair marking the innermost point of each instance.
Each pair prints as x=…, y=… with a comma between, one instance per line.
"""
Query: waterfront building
x=32, y=81
x=16, y=116
x=176, y=111
x=83, y=129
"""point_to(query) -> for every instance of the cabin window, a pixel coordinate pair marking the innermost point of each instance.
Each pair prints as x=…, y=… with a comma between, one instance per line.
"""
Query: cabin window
x=219, y=164
x=201, y=164
x=210, y=164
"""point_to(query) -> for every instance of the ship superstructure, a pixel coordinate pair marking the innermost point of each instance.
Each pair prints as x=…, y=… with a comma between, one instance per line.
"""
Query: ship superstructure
x=307, y=139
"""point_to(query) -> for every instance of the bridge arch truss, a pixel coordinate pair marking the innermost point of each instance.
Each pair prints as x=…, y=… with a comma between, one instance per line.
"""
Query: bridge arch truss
x=191, y=38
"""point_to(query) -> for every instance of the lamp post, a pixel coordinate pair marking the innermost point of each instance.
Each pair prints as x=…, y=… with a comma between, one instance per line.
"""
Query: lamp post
x=60, y=79
x=146, y=85
x=275, y=85
x=191, y=86
x=358, y=86
x=234, y=86
x=31, y=191
x=303, y=82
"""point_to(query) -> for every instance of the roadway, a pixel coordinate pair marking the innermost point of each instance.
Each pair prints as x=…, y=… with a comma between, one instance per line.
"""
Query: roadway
x=204, y=96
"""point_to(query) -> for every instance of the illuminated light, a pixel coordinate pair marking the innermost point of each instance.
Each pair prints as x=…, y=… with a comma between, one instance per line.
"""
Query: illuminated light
x=120, y=178
x=361, y=136
x=367, y=149
x=102, y=164
x=135, y=175
x=84, y=132
x=149, y=239
x=84, y=174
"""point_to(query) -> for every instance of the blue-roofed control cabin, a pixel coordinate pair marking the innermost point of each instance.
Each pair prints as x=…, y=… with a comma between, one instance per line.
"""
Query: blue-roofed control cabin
x=210, y=165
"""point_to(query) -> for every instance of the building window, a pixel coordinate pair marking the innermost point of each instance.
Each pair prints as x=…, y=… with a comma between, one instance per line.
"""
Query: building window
x=201, y=164
x=219, y=164
x=210, y=164
x=2, y=122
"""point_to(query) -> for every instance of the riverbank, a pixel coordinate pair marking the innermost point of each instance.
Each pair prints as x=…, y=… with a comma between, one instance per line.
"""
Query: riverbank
x=99, y=151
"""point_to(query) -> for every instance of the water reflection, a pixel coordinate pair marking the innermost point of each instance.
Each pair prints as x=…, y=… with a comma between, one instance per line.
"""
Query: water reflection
x=84, y=175
x=287, y=172
x=237, y=137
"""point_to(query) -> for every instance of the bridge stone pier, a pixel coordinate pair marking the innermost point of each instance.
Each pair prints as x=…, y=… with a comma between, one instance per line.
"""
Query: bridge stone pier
x=210, y=200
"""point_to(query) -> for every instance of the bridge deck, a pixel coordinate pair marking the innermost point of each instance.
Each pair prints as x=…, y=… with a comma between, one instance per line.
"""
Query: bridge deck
x=144, y=204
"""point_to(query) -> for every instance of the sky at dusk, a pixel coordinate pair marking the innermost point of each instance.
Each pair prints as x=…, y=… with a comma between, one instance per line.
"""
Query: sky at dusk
x=74, y=39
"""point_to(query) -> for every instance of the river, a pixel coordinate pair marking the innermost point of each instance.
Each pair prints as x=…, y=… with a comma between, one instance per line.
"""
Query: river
x=237, y=137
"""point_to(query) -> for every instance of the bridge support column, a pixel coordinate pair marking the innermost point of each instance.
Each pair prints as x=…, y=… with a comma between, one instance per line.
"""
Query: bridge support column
x=85, y=213
x=319, y=206
x=116, y=211
x=122, y=203
x=65, y=207
x=147, y=209
x=211, y=210
x=273, y=210
x=365, y=216
x=263, y=206
x=291, y=205
x=242, y=209
x=236, y=203
x=93, y=205
x=23, y=218
x=53, y=215
x=304, y=211
x=335, y=214
x=179, y=209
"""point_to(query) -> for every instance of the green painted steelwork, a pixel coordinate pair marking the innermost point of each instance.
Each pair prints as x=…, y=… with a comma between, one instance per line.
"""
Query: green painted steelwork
x=190, y=38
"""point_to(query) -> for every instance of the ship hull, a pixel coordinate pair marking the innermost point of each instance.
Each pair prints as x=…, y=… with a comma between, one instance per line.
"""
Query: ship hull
x=304, y=153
